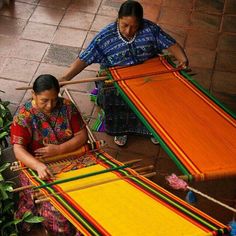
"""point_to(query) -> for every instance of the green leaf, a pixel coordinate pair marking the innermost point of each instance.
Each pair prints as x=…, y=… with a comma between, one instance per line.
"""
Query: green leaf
x=1, y=122
x=13, y=234
x=17, y=221
x=3, y=134
x=8, y=187
x=8, y=224
x=5, y=103
x=26, y=214
x=4, y=166
x=3, y=194
x=8, y=207
x=1, y=177
x=34, y=219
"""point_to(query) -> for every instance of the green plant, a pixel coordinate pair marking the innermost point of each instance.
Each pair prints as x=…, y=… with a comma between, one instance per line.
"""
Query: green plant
x=8, y=224
x=5, y=122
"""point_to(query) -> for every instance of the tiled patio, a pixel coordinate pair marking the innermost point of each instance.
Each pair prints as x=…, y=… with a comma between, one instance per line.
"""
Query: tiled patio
x=45, y=36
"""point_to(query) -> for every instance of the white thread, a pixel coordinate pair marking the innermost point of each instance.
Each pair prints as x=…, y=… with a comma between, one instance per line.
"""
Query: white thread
x=212, y=199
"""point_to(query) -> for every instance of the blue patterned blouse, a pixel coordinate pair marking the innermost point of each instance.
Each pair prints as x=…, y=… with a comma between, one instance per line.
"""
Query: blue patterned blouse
x=108, y=49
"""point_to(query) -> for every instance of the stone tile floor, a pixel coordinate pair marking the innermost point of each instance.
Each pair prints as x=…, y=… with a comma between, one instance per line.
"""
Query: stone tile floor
x=45, y=36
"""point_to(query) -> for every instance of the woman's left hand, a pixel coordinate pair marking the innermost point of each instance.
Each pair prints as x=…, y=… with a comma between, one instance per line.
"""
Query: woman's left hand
x=48, y=150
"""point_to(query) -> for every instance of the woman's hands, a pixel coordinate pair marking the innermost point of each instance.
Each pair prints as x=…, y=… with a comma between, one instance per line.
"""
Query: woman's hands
x=43, y=171
x=48, y=150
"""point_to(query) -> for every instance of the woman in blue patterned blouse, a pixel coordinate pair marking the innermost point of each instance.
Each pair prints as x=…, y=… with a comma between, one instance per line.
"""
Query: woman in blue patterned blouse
x=128, y=41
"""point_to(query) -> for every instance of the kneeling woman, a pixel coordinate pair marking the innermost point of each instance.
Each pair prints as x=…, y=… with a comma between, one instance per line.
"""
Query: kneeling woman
x=47, y=125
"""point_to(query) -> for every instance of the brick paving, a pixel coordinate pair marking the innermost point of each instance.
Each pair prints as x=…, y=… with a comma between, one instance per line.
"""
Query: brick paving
x=45, y=36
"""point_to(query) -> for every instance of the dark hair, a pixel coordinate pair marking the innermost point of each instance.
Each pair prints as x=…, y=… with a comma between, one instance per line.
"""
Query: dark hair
x=45, y=82
x=131, y=8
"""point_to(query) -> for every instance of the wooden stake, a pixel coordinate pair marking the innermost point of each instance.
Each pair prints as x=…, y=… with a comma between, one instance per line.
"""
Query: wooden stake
x=22, y=188
x=71, y=82
x=144, y=168
x=105, y=78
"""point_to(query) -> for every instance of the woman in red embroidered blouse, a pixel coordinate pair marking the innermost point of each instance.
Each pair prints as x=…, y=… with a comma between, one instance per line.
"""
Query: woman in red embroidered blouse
x=47, y=125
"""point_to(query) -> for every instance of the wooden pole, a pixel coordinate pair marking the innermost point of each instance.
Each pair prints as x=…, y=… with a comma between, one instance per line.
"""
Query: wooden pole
x=60, y=181
x=105, y=78
x=71, y=82
x=47, y=198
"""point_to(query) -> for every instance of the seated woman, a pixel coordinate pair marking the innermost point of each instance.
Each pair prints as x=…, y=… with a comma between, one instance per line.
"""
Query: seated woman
x=47, y=125
x=129, y=40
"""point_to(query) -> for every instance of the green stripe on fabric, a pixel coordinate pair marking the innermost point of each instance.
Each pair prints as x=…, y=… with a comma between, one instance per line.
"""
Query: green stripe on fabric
x=167, y=199
x=68, y=207
x=182, y=168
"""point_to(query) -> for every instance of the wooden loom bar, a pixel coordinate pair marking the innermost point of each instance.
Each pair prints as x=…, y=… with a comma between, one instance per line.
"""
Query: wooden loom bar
x=91, y=137
x=47, y=198
x=81, y=176
x=105, y=78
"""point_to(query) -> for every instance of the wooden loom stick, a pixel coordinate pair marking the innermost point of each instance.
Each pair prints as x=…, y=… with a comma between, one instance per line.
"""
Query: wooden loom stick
x=22, y=188
x=91, y=137
x=105, y=78
x=47, y=198
x=70, y=82
x=60, y=181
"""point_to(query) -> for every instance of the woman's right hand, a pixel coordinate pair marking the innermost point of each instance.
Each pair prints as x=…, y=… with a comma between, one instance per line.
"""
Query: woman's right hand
x=43, y=171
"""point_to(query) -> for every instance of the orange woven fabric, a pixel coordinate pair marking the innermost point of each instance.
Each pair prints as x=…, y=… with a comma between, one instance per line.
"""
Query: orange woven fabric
x=200, y=134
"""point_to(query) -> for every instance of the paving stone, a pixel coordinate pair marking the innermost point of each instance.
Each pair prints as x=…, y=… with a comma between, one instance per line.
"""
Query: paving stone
x=28, y=1
x=185, y=4
x=13, y=108
x=151, y=11
x=47, y=15
x=83, y=102
x=205, y=21
x=230, y=7
x=61, y=55
x=229, y=23
x=226, y=62
x=158, y=2
x=19, y=69
x=210, y=6
x=224, y=82
x=79, y=20
x=202, y=39
x=39, y=32
x=18, y=10
x=202, y=77
x=6, y=45
x=179, y=34
x=101, y=21
x=69, y=37
x=55, y=3
x=2, y=63
x=228, y=101
x=93, y=67
x=46, y=68
x=29, y=50
x=85, y=5
x=177, y=17
x=227, y=42
x=12, y=95
x=199, y=57
x=109, y=8
x=89, y=38
x=11, y=27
